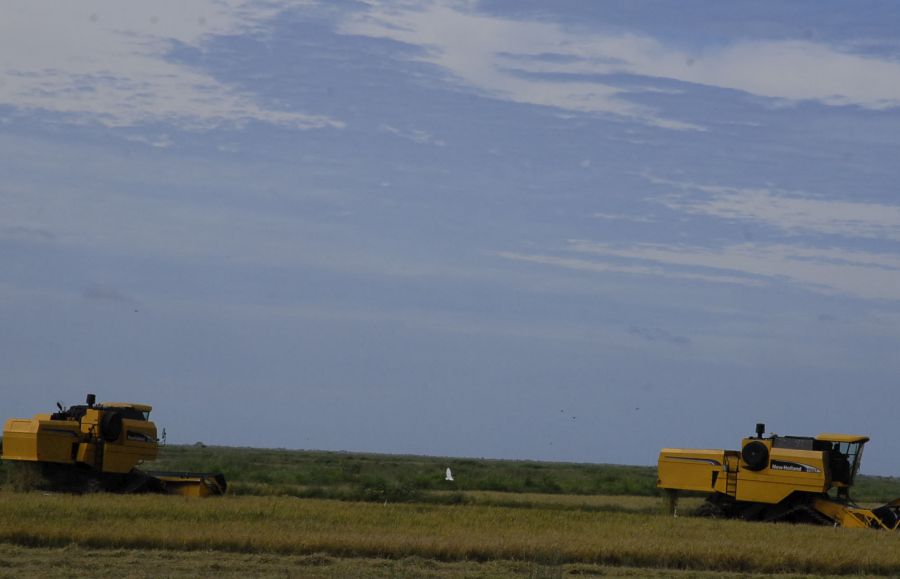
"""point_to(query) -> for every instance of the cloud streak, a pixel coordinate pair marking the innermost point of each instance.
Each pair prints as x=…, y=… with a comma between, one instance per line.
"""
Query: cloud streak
x=791, y=212
x=648, y=268
x=106, y=62
x=827, y=271
x=489, y=53
x=417, y=136
x=544, y=63
x=831, y=270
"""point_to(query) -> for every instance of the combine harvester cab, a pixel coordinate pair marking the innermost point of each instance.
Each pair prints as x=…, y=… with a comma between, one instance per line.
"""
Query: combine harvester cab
x=777, y=478
x=97, y=447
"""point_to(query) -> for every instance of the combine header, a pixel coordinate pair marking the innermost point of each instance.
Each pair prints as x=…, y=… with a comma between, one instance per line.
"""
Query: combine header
x=779, y=478
x=97, y=447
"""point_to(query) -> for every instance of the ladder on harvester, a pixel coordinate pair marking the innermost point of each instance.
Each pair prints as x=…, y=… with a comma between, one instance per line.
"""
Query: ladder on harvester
x=731, y=474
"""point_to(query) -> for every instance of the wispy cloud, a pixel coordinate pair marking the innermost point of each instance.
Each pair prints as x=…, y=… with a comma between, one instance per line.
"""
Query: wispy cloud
x=828, y=271
x=415, y=135
x=623, y=217
x=490, y=54
x=157, y=141
x=544, y=63
x=106, y=61
x=789, y=211
x=828, y=267
x=648, y=268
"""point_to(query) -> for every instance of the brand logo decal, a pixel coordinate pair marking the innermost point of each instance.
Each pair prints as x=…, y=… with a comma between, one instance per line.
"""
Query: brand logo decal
x=793, y=466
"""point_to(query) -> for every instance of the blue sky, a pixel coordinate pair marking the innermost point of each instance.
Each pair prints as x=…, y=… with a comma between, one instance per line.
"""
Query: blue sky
x=551, y=230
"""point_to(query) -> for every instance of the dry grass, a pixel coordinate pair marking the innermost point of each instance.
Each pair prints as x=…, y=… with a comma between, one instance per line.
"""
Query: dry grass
x=547, y=537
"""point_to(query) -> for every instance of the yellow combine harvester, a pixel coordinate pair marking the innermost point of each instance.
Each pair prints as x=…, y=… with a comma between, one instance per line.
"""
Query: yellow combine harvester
x=779, y=478
x=97, y=447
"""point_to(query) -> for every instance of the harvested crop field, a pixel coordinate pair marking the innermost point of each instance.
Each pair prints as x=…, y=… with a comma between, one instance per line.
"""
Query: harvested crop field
x=318, y=514
x=284, y=534
x=74, y=561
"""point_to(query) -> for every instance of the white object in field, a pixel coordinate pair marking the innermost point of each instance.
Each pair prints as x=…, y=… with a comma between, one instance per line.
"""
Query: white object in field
x=449, y=475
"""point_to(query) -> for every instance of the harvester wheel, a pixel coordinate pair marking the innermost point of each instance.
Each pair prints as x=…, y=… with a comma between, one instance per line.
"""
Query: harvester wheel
x=756, y=455
x=111, y=426
x=92, y=485
x=710, y=510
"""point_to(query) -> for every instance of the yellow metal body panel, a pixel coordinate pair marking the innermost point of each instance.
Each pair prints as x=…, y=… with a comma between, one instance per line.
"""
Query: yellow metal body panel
x=90, y=422
x=136, y=444
x=40, y=440
x=721, y=471
x=788, y=471
x=690, y=469
x=87, y=454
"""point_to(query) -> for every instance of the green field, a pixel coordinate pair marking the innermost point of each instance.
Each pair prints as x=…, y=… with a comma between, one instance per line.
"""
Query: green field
x=357, y=476
x=317, y=514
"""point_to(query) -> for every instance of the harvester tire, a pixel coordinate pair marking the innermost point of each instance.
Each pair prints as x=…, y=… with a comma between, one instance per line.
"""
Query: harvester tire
x=111, y=426
x=755, y=455
x=710, y=509
x=92, y=485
